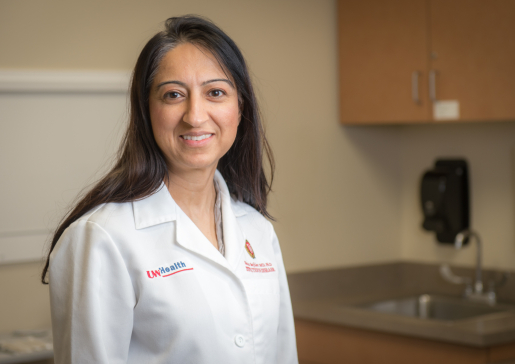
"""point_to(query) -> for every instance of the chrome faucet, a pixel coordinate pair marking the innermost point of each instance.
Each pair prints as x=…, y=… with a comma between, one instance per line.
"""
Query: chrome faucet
x=474, y=289
x=458, y=243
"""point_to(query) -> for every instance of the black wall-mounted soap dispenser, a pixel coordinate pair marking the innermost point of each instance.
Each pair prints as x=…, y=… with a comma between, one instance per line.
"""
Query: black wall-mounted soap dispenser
x=445, y=199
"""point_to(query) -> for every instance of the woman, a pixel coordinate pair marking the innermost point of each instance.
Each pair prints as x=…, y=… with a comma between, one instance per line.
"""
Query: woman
x=168, y=259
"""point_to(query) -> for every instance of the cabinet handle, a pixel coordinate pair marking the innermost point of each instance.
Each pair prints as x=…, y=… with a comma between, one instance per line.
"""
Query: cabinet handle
x=432, y=85
x=414, y=87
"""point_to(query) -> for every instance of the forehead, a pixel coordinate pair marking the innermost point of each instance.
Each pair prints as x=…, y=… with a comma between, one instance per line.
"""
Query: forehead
x=187, y=61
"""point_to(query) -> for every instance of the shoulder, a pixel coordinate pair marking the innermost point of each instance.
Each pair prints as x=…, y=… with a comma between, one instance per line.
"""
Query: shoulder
x=241, y=208
x=90, y=234
x=88, y=248
x=252, y=219
x=98, y=228
x=109, y=216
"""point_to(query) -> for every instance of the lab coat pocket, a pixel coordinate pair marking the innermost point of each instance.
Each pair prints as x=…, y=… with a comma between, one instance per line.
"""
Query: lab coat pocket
x=264, y=300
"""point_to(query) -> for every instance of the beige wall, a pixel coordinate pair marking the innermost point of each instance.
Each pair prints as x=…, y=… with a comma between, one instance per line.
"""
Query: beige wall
x=336, y=189
x=343, y=195
x=24, y=302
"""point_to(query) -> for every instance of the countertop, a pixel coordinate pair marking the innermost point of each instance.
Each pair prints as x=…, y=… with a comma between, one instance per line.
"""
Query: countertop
x=331, y=296
x=26, y=346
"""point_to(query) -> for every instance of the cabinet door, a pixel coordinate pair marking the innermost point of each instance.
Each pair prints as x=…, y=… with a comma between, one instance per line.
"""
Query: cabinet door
x=319, y=343
x=382, y=43
x=473, y=46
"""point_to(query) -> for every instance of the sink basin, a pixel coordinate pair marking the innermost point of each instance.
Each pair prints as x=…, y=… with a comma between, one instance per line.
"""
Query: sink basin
x=434, y=307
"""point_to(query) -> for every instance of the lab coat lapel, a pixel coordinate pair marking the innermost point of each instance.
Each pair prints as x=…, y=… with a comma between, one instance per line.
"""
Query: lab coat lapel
x=234, y=239
x=190, y=237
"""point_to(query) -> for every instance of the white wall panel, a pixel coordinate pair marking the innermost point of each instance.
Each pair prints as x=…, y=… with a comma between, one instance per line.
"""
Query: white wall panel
x=57, y=135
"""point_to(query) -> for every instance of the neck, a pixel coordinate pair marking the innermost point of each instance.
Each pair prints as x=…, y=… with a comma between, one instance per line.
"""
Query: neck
x=193, y=191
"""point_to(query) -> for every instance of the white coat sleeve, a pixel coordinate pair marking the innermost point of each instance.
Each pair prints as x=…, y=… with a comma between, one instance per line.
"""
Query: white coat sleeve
x=286, y=346
x=92, y=297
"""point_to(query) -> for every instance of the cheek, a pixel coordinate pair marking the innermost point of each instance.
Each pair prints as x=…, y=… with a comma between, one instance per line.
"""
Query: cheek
x=163, y=125
x=157, y=118
x=231, y=120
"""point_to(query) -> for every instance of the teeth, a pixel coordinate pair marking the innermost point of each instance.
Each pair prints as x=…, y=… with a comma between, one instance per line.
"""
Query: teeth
x=200, y=137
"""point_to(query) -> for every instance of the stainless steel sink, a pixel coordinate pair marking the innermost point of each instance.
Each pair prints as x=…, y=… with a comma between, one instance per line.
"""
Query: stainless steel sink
x=435, y=307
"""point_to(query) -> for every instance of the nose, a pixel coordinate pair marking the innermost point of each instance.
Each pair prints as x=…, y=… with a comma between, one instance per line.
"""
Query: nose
x=196, y=113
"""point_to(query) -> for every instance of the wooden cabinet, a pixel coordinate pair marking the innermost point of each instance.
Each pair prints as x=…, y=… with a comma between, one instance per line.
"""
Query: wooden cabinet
x=397, y=57
x=319, y=343
x=381, y=44
x=474, y=54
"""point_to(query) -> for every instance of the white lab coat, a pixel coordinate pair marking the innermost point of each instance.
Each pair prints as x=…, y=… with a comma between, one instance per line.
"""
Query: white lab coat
x=138, y=282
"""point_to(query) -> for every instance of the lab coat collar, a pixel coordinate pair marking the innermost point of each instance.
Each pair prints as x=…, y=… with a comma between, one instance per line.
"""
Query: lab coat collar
x=161, y=208
x=155, y=209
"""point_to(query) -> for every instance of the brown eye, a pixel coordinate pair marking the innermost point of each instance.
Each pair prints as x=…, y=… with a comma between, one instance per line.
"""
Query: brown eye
x=172, y=95
x=216, y=93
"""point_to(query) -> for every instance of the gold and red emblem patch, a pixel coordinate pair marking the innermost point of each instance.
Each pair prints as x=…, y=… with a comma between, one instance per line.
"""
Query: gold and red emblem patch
x=249, y=249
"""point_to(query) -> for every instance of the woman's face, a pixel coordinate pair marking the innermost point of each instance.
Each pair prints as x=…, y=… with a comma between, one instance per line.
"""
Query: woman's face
x=193, y=109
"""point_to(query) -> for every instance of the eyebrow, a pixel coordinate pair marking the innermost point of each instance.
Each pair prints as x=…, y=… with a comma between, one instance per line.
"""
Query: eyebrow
x=203, y=83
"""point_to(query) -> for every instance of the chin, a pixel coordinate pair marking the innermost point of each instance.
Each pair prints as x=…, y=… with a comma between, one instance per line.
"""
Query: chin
x=199, y=164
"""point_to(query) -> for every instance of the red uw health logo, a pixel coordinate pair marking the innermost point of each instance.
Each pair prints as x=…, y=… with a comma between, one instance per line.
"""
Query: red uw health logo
x=249, y=249
x=168, y=271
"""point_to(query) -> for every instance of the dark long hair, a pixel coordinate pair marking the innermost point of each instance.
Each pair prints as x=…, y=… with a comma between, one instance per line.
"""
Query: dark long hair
x=140, y=167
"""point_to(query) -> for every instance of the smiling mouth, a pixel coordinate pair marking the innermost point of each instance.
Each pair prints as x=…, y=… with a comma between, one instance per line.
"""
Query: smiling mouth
x=196, y=137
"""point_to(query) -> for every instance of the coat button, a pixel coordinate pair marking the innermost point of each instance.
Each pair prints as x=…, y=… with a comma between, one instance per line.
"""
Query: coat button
x=239, y=340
